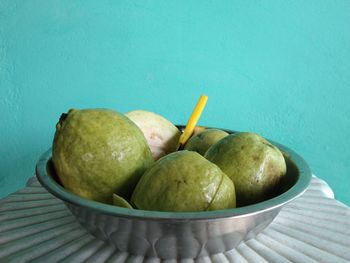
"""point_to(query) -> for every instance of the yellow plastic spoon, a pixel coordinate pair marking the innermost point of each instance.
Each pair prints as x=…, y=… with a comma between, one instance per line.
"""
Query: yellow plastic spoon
x=192, y=121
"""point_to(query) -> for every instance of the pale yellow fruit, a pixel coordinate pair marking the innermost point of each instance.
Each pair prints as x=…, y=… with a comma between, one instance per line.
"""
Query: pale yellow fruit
x=162, y=136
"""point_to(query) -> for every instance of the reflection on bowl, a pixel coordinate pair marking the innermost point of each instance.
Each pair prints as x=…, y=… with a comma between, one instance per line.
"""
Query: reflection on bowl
x=177, y=235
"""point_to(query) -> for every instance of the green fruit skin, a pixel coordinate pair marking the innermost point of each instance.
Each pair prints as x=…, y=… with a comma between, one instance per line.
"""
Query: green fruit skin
x=98, y=152
x=201, y=142
x=225, y=196
x=183, y=181
x=254, y=165
x=121, y=202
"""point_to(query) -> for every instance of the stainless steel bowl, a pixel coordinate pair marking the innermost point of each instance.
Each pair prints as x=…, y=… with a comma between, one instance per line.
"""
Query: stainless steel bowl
x=177, y=235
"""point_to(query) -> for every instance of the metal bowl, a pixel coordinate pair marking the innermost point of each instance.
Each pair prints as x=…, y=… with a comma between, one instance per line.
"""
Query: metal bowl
x=178, y=235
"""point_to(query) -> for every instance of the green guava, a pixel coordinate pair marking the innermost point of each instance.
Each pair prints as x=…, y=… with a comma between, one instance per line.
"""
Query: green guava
x=202, y=141
x=198, y=129
x=184, y=181
x=254, y=165
x=162, y=136
x=98, y=152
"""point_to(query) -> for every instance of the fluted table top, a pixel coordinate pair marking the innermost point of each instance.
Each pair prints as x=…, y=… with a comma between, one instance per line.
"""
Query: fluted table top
x=37, y=227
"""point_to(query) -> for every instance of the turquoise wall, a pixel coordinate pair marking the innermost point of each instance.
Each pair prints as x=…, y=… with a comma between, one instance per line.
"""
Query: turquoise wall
x=280, y=68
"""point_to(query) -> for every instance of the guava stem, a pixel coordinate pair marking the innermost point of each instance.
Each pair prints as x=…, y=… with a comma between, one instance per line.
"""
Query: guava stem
x=63, y=117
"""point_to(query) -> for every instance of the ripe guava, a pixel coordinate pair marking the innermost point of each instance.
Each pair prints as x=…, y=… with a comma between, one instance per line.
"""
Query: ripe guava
x=254, y=165
x=162, y=136
x=184, y=181
x=98, y=152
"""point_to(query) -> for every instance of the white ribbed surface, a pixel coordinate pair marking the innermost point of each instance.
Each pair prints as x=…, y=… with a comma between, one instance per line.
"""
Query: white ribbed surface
x=37, y=227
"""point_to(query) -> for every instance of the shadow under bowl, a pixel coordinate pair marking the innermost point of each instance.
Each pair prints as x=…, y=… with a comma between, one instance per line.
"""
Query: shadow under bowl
x=178, y=235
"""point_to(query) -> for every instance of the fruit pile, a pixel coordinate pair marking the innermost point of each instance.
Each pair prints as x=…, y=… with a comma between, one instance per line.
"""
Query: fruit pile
x=132, y=160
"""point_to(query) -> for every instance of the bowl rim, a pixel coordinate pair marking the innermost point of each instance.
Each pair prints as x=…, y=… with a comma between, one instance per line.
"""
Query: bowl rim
x=293, y=192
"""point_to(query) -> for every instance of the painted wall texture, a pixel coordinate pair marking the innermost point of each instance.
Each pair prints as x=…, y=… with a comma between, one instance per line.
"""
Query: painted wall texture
x=279, y=68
